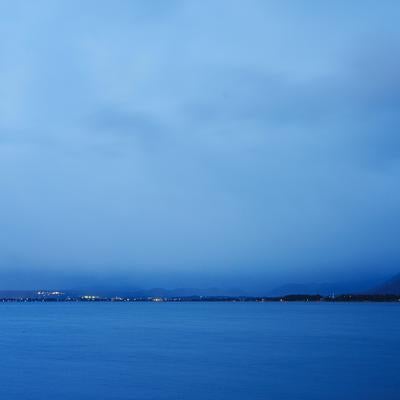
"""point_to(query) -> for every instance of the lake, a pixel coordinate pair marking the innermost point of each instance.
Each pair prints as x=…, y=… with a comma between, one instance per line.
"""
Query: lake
x=290, y=351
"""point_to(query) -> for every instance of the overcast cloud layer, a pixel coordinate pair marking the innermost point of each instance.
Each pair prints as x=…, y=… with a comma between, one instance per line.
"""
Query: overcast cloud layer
x=199, y=142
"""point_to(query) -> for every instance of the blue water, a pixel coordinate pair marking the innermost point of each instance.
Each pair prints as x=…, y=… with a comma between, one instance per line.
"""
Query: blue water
x=200, y=351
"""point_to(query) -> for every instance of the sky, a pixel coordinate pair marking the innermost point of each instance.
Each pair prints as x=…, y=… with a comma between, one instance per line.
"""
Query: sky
x=198, y=143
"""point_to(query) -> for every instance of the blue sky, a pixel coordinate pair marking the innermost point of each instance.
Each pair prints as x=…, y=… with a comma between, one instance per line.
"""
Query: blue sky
x=188, y=143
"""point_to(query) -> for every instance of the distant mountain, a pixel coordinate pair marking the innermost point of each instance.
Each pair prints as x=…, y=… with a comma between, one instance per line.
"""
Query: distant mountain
x=392, y=286
x=324, y=289
x=182, y=292
x=155, y=292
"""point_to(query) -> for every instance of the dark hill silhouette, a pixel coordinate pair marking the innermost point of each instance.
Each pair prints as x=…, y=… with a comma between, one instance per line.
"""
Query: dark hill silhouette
x=392, y=286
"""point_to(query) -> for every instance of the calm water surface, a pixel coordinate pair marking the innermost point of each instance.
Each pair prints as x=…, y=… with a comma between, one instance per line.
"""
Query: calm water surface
x=200, y=351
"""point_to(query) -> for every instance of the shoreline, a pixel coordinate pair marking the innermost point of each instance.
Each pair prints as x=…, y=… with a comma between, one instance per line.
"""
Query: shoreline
x=348, y=298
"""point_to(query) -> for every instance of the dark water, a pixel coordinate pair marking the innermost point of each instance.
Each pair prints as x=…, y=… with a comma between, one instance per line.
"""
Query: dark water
x=200, y=351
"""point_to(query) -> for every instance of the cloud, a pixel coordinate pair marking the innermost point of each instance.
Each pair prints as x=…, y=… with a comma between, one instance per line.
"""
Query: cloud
x=161, y=141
